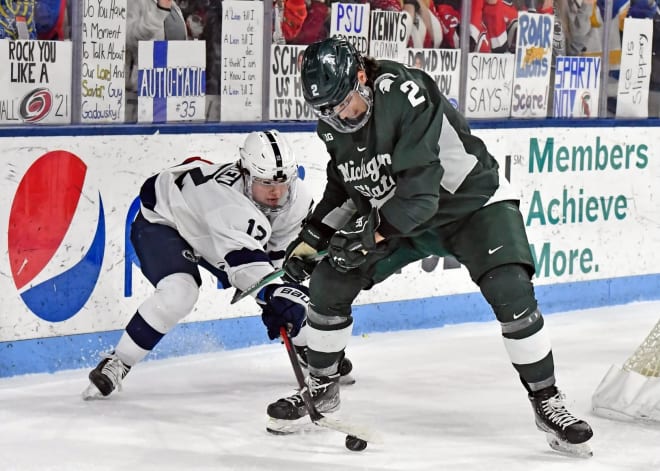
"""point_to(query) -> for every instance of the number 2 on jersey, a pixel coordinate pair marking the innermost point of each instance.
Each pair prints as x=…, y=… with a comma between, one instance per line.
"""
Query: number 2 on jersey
x=411, y=88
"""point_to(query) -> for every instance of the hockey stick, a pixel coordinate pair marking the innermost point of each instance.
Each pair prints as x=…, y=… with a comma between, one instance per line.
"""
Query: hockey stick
x=256, y=286
x=267, y=279
x=316, y=417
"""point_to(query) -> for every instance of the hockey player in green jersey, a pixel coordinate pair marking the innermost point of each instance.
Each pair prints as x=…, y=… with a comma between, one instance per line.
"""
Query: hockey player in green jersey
x=406, y=179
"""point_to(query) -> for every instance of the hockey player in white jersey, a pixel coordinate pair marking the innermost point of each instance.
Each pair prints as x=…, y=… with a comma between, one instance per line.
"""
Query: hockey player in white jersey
x=235, y=220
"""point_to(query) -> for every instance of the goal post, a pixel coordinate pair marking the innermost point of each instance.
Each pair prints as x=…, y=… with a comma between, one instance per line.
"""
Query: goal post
x=632, y=392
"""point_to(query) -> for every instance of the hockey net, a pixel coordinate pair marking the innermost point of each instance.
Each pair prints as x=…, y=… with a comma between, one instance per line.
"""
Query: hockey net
x=646, y=359
x=632, y=392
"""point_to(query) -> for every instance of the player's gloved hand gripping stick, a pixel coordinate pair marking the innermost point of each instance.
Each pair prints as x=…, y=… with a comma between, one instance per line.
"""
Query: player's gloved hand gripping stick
x=350, y=246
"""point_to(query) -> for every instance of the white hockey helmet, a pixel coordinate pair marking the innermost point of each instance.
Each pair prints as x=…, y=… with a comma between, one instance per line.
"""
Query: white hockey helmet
x=267, y=158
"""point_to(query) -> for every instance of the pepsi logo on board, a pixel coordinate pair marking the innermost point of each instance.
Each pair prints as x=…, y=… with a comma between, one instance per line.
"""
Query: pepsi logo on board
x=56, y=236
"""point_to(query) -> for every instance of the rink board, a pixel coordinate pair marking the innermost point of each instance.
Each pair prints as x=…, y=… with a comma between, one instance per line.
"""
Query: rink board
x=71, y=281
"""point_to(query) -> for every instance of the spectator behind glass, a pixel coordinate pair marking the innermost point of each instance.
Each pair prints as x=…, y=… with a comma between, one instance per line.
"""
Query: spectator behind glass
x=148, y=20
x=449, y=14
x=204, y=22
x=30, y=19
x=316, y=19
x=501, y=20
x=289, y=17
x=49, y=17
x=649, y=9
x=426, y=28
x=17, y=19
x=315, y=25
x=584, y=34
x=308, y=21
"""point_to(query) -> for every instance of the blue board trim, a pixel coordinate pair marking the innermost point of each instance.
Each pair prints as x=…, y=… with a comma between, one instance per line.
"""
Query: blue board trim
x=81, y=351
x=292, y=126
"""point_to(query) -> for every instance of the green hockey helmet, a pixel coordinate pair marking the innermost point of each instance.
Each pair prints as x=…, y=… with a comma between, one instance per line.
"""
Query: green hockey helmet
x=329, y=75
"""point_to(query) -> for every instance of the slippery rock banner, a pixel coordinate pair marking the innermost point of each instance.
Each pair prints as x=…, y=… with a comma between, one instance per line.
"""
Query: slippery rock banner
x=635, y=71
x=35, y=82
x=531, y=79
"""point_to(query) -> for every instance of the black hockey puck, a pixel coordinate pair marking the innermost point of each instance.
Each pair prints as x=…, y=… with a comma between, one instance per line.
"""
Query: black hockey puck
x=355, y=444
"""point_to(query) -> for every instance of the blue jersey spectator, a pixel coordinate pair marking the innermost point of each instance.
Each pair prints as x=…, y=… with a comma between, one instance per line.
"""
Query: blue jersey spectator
x=17, y=19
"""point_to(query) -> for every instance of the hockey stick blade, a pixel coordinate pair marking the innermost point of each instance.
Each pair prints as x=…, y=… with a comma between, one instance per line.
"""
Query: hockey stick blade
x=316, y=417
x=349, y=428
x=265, y=280
x=256, y=286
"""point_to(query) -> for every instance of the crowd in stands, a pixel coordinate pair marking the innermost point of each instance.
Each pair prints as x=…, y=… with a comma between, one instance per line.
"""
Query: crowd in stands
x=579, y=28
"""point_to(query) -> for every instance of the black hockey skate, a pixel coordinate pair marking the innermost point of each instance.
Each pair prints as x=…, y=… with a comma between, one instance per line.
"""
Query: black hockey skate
x=106, y=377
x=284, y=414
x=564, y=432
x=345, y=365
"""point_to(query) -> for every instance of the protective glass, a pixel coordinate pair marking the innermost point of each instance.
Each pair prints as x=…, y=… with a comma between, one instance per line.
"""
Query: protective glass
x=331, y=114
x=272, y=196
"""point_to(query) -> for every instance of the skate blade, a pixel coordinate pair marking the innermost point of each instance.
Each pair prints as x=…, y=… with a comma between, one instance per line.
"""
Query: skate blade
x=580, y=450
x=91, y=393
x=289, y=427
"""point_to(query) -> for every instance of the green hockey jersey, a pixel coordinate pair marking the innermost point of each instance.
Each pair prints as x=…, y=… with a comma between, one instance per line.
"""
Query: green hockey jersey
x=415, y=159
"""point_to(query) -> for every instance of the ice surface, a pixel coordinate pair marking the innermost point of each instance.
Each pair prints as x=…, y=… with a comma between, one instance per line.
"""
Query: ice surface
x=442, y=399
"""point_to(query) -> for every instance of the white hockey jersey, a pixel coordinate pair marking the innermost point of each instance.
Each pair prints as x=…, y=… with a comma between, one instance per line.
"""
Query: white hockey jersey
x=207, y=205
